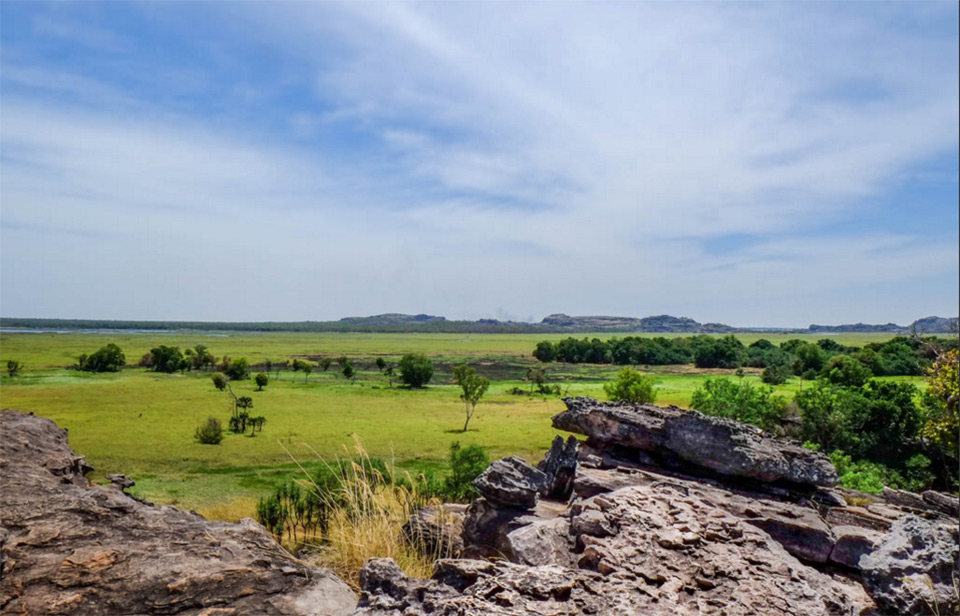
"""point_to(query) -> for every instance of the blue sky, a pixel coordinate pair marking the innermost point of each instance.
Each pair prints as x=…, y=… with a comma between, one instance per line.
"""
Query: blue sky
x=769, y=164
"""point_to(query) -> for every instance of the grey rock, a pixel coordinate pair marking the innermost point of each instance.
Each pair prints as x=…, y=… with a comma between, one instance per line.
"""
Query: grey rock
x=902, y=498
x=487, y=525
x=944, y=503
x=511, y=482
x=914, y=567
x=652, y=549
x=121, y=481
x=852, y=542
x=560, y=467
x=857, y=516
x=69, y=547
x=544, y=542
x=720, y=445
x=436, y=530
x=797, y=527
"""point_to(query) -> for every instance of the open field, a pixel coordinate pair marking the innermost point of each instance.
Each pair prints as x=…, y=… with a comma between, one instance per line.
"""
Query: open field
x=141, y=423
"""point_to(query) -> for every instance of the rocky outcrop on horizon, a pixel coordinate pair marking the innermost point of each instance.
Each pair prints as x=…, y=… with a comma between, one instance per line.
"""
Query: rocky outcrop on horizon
x=69, y=547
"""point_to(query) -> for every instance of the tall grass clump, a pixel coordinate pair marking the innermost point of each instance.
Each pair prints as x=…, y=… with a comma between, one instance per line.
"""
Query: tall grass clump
x=347, y=512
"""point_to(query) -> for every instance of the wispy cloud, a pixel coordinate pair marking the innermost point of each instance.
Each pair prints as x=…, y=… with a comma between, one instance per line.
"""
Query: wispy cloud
x=463, y=158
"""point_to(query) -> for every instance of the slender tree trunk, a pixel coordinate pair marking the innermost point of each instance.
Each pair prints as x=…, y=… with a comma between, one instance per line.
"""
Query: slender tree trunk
x=467, y=423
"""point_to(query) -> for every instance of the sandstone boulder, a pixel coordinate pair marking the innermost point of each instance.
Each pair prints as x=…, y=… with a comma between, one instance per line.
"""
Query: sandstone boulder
x=69, y=547
x=511, y=482
x=719, y=445
x=653, y=549
x=560, y=467
x=914, y=568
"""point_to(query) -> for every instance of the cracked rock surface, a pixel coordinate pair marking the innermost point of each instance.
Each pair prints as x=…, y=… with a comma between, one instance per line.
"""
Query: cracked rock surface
x=69, y=547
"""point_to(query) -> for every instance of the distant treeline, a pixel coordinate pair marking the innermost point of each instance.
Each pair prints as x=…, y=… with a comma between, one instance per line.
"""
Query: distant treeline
x=482, y=326
x=901, y=356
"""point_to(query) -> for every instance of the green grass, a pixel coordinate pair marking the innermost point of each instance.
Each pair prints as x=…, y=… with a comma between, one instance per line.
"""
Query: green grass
x=141, y=424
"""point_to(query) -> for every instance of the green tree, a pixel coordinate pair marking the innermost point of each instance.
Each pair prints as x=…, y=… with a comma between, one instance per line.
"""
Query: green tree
x=941, y=426
x=14, y=367
x=167, y=359
x=325, y=363
x=721, y=397
x=846, y=370
x=348, y=370
x=238, y=370
x=199, y=357
x=381, y=364
x=632, y=387
x=108, y=358
x=261, y=380
x=466, y=464
x=307, y=369
x=416, y=369
x=473, y=387
x=545, y=351
x=219, y=381
x=210, y=433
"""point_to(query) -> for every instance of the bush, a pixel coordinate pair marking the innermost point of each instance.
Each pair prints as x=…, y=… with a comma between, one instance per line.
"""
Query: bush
x=846, y=371
x=261, y=380
x=166, y=359
x=632, y=387
x=210, y=433
x=721, y=397
x=238, y=370
x=775, y=374
x=108, y=358
x=466, y=464
x=14, y=368
x=219, y=381
x=416, y=369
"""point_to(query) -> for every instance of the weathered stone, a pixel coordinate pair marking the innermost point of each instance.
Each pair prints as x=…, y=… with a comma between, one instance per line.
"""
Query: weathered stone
x=653, y=549
x=857, y=516
x=944, y=503
x=436, y=531
x=560, y=467
x=798, y=528
x=720, y=445
x=914, y=567
x=852, y=542
x=511, y=482
x=902, y=498
x=544, y=542
x=486, y=526
x=72, y=548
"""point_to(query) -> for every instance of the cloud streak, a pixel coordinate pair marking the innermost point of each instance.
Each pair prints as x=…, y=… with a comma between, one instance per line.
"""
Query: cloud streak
x=458, y=159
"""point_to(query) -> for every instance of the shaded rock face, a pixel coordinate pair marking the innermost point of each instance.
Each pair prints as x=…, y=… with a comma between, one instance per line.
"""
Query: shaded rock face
x=72, y=548
x=652, y=549
x=437, y=530
x=560, y=467
x=512, y=482
x=721, y=445
x=914, y=568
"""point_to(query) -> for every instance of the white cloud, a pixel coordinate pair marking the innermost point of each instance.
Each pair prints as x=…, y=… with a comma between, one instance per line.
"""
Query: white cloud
x=538, y=157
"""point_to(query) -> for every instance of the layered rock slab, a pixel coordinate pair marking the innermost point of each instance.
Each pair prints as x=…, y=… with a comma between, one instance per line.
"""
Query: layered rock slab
x=719, y=445
x=69, y=547
x=651, y=549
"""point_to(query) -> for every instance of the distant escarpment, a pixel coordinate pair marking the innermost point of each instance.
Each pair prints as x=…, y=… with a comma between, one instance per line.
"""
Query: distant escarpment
x=656, y=324
x=69, y=547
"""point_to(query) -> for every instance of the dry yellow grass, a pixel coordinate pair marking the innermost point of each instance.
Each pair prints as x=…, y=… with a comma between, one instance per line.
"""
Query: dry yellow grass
x=367, y=522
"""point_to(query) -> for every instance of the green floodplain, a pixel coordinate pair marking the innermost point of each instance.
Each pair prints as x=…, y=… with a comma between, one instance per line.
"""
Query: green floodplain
x=141, y=423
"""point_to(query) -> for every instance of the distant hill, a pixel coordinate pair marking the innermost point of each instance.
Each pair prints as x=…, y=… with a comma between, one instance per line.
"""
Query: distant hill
x=663, y=323
x=392, y=318
x=425, y=323
x=926, y=325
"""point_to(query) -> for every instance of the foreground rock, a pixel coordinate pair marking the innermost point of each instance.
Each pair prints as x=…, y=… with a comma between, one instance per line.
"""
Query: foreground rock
x=719, y=445
x=654, y=549
x=915, y=568
x=72, y=548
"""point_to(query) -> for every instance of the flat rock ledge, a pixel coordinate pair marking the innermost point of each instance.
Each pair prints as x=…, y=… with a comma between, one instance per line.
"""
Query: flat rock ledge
x=69, y=547
x=719, y=445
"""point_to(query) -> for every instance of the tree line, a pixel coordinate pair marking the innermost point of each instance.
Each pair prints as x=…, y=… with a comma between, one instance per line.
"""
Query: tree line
x=899, y=356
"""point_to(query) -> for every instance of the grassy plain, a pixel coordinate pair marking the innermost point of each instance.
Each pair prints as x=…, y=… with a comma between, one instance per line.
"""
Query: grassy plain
x=141, y=424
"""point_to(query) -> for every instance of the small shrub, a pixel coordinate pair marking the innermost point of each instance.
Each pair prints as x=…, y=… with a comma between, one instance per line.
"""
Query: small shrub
x=238, y=370
x=210, y=433
x=466, y=464
x=14, y=367
x=722, y=397
x=416, y=369
x=632, y=387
